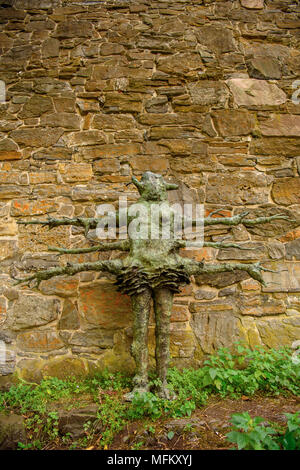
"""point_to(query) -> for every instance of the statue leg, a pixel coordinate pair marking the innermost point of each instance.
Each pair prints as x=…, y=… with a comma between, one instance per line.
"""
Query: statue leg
x=163, y=302
x=141, y=304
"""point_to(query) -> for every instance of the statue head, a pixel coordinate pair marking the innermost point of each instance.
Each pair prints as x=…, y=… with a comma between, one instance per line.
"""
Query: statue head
x=153, y=187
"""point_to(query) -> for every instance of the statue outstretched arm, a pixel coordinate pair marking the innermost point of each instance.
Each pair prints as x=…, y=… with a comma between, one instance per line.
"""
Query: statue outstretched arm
x=111, y=266
x=88, y=223
x=239, y=219
x=121, y=246
x=197, y=268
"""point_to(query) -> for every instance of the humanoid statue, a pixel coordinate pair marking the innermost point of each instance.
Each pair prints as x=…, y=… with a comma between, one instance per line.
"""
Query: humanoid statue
x=152, y=269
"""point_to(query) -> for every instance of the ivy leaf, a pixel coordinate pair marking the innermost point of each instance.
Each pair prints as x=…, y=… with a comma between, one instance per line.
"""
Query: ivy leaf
x=170, y=435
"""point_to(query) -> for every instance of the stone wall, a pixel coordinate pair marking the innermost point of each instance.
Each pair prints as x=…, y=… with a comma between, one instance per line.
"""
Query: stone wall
x=198, y=90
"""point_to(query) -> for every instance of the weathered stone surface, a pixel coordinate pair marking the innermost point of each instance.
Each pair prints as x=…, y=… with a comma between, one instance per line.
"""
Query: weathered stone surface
x=215, y=330
x=32, y=137
x=50, y=48
x=8, y=145
x=205, y=294
x=32, y=310
x=65, y=120
x=62, y=286
x=36, y=106
x=75, y=172
x=258, y=306
x=111, y=121
x=275, y=146
x=185, y=146
x=8, y=191
x=23, y=207
x=286, y=191
x=8, y=249
x=293, y=249
x=276, y=332
x=145, y=163
x=106, y=165
x=73, y=29
x=102, y=306
x=250, y=251
x=8, y=228
x=286, y=277
x=69, y=319
x=10, y=155
x=12, y=431
x=230, y=122
x=111, y=150
x=180, y=64
x=99, y=337
x=180, y=313
x=218, y=39
x=221, y=279
x=127, y=103
x=286, y=125
x=72, y=422
x=249, y=187
x=39, y=341
x=87, y=138
x=264, y=68
x=253, y=4
x=206, y=92
x=64, y=367
x=251, y=92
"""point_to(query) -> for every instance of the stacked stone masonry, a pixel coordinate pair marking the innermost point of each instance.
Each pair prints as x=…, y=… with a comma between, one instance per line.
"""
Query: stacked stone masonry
x=201, y=91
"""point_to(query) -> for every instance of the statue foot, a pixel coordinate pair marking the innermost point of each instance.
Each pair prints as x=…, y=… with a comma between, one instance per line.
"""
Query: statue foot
x=138, y=389
x=165, y=393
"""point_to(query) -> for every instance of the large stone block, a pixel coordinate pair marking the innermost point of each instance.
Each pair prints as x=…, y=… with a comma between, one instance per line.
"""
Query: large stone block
x=179, y=64
x=282, y=146
x=23, y=207
x=8, y=249
x=285, y=278
x=264, y=68
x=100, y=305
x=246, y=187
x=98, y=337
x=124, y=103
x=286, y=125
x=293, y=249
x=39, y=341
x=30, y=311
x=75, y=172
x=73, y=29
x=217, y=38
x=232, y=122
x=257, y=93
x=61, y=286
x=36, y=106
x=65, y=120
x=69, y=319
x=93, y=137
x=209, y=92
x=216, y=330
x=286, y=191
x=33, y=137
x=278, y=332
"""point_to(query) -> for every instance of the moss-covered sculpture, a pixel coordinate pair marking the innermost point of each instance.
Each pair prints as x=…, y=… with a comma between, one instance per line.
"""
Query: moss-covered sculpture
x=152, y=269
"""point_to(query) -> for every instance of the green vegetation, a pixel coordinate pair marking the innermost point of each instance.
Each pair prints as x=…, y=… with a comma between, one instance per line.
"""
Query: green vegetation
x=225, y=374
x=257, y=434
